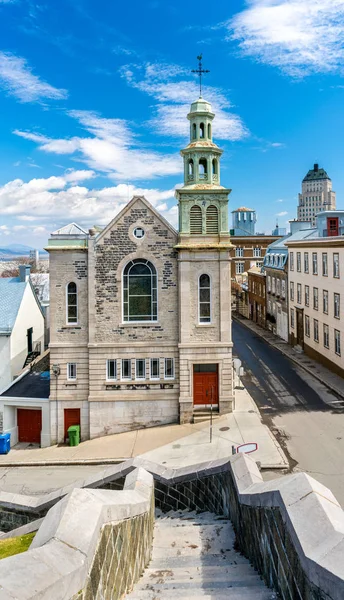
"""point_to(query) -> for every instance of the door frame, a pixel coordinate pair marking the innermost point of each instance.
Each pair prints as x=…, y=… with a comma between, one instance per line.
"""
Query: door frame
x=216, y=404
x=65, y=428
x=299, y=316
x=29, y=335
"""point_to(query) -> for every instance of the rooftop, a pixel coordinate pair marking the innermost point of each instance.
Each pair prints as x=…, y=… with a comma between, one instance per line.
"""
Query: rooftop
x=32, y=385
x=243, y=209
x=70, y=229
x=316, y=174
x=11, y=294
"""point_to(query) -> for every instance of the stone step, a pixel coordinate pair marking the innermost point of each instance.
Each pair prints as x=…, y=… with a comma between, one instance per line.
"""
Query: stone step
x=226, y=574
x=230, y=558
x=158, y=593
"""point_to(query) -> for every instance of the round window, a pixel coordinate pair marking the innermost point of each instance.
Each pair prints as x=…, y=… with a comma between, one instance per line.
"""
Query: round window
x=139, y=232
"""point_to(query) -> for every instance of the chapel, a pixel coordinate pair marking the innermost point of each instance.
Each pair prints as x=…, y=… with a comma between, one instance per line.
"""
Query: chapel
x=141, y=313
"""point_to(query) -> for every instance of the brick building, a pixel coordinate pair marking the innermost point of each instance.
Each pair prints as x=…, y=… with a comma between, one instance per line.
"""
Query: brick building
x=256, y=296
x=141, y=314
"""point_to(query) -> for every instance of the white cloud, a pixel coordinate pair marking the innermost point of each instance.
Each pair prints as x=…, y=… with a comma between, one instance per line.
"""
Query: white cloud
x=298, y=36
x=282, y=213
x=4, y=230
x=171, y=86
x=17, y=79
x=112, y=149
x=279, y=200
x=56, y=199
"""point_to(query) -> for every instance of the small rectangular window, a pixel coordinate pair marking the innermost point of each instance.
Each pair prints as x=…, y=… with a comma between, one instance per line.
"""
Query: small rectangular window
x=239, y=268
x=325, y=302
x=307, y=328
x=71, y=371
x=169, y=368
x=315, y=263
x=316, y=330
x=336, y=265
x=291, y=261
x=283, y=288
x=126, y=368
x=336, y=298
x=337, y=341
x=111, y=371
x=306, y=262
x=299, y=293
x=326, y=336
x=291, y=290
x=140, y=368
x=298, y=261
x=292, y=318
x=239, y=251
x=315, y=298
x=154, y=368
x=307, y=295
x=324, y=264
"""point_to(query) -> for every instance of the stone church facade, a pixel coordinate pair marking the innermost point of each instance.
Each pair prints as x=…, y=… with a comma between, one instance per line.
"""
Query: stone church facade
x=140, y=313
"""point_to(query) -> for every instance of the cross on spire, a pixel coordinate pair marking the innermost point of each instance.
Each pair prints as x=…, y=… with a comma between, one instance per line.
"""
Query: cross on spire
x=200, y=71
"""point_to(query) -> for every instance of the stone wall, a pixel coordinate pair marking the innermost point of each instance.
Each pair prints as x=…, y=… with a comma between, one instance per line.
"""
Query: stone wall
x=92, y=544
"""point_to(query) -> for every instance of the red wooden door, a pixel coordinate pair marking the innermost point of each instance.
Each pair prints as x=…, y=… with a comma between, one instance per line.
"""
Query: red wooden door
x=29, y=425
x=71, y=417
x=206, y=388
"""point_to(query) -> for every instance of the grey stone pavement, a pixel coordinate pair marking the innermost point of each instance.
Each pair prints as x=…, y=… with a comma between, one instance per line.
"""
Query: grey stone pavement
x=324, y=375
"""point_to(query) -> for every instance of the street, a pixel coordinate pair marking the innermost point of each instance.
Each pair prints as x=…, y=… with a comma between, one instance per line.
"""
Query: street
x=306, y=417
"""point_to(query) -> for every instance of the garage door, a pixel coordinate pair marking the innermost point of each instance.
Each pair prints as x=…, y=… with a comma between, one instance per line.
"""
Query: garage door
x=29, y=425
x=71, y=417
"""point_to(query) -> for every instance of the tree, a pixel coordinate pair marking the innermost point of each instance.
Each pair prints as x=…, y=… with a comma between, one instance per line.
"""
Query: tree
x=13, y=270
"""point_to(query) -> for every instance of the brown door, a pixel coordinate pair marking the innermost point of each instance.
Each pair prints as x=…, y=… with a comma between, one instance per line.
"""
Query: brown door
x=71, y=417
x=206, y=388
x=299, y=326
x=29, y=425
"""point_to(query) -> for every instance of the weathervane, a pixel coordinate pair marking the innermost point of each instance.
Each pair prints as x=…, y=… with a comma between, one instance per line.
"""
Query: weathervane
x=200, y=71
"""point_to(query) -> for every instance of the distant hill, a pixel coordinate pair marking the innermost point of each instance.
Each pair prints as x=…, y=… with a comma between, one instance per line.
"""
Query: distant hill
x=13, y=250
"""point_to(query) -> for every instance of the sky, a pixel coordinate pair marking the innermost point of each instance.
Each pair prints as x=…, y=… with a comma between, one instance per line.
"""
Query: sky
x=94, y=97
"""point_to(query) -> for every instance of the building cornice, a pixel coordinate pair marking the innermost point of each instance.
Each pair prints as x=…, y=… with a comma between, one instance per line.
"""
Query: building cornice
x=317, y=242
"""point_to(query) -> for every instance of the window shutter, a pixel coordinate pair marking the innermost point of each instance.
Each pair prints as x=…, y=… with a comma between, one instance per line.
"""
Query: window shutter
x=195, y=219
x=212, y=220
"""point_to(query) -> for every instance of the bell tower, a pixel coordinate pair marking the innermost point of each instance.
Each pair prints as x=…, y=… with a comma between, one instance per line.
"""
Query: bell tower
x=204, y=273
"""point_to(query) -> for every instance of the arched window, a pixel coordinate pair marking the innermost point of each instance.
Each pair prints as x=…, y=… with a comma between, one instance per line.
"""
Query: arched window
x=203, y=168
x=195, y=219
x=194, y=135
x=191, y=167
x=204, y=298
x=212, y=219
x=209, y=131
x=201, y=130
x=72, y=303
x=140, y=302
x=214, y=166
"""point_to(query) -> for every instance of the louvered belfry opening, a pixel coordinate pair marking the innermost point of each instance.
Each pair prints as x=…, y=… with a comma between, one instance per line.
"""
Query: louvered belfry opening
x=212, y=219
x=195, y=219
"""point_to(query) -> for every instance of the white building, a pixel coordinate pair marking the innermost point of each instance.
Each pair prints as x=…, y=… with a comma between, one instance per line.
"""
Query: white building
x=316, y=292
x=316, y=195
x=21, y=325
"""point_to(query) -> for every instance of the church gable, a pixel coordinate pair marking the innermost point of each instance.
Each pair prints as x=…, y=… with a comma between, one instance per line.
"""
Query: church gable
x=138, y=234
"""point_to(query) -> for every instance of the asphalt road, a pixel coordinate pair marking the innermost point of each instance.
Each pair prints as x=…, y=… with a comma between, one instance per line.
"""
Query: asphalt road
x=306, y=417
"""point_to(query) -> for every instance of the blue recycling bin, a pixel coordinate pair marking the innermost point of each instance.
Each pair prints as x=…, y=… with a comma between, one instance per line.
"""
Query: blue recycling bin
x=5, y=443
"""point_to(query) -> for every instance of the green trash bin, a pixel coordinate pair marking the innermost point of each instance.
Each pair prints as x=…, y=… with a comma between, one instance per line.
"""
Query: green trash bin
x=74, y=435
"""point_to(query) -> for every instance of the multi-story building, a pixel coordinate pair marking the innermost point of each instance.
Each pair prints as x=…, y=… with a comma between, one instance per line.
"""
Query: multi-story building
x=276, y=269
x=249, y=247
x=256, y=295
x=316, y=195
x=316, y=270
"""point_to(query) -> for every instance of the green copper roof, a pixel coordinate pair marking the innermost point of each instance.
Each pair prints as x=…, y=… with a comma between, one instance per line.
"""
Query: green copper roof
x=315, y=174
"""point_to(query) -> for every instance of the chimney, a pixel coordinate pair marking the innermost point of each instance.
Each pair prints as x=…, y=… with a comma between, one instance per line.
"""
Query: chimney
x=24, y=272
x=316, y=167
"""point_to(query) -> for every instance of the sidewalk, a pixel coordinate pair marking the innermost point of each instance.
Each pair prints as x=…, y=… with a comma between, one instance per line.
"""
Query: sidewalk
x=324, y=375
x=171, y=444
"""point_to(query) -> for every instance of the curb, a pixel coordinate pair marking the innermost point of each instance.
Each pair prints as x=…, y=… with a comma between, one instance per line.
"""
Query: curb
x=65, y=463
x=293, y=359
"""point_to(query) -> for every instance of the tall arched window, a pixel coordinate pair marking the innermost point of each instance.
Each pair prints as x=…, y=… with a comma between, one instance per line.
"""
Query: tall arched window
x=194, y=134
x=72, y=303
x=204, y=298
x=140, y=302
x=209, y=131
x=191, y=167
x=195, y=219
x=203, y=168
x=214, y=166
x=212, y=219
x=201, y=130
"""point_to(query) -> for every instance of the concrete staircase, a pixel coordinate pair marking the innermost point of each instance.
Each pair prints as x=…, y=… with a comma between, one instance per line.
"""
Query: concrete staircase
x=200, y=416
x=194, y=557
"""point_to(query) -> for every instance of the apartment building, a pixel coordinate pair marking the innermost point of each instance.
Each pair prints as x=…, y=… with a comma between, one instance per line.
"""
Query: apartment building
x=316, y=196
x=316, y=292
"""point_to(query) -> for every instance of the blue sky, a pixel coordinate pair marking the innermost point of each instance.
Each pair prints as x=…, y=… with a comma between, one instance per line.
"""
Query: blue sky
x=94, y=97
